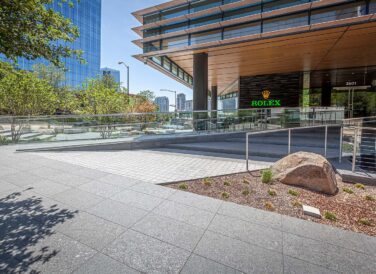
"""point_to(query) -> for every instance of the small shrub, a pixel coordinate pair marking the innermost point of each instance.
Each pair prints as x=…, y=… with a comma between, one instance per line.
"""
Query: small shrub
x=245, y=181
x=245, y=192
x=207, y=181
x=348, y=190
x=272, y=192
x=330, y=216
x=365, y=221
x=225, y=195
x=3, y=140
x=226, y=183
x=296, y=203
x=266, y=176
x=360, y=186
x=293, y=192
x=269, y=206
x=183, y=186
x=370, y=198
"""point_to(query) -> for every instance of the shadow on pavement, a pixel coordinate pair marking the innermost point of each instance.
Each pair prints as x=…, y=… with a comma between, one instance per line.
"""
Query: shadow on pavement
x=25, y=222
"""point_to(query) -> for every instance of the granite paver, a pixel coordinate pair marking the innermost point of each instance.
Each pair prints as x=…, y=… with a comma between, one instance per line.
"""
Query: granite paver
x=65, y=214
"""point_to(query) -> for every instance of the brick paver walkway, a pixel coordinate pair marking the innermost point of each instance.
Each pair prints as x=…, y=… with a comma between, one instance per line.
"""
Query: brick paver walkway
x=58, y=217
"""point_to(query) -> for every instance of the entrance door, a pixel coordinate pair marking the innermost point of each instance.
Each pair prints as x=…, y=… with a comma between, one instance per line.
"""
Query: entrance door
x=358, y=101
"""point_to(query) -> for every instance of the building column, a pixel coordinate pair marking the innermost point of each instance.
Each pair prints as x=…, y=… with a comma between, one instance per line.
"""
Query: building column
x=200, y=91
x=200, y=81
x=214, y=98
x=326, y=95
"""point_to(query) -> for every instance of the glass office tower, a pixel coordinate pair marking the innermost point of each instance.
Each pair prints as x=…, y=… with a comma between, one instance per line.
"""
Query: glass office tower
x=86, y=15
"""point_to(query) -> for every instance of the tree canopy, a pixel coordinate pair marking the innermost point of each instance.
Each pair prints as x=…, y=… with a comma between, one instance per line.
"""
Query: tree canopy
x=22, y=93
x=31, y=29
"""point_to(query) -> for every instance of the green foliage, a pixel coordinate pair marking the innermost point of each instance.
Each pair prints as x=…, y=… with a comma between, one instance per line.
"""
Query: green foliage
x=365, y=221
x=293, y=192
x=245, y=192
x=183, y=186
x=225, y=195
x=207, y=181
x=30, y=29
x=348, y=190
x=272, y=192
x=23, y=94
x=147, y=94
x=227, y=183
x=3, y=140
x=370, y=198
x=330, y=216
x=67, y=100
x=99, y=98
x=360, y=186
x=269, y=206
x=266, y=176
x=296, y=203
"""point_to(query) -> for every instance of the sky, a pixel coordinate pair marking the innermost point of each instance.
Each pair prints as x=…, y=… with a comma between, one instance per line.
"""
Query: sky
x=116, y=45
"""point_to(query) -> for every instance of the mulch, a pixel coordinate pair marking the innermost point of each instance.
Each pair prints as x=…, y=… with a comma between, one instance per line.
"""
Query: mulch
x=349, y=209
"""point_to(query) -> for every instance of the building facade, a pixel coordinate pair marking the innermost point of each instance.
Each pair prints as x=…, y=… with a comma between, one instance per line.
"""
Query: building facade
x=162, y=103
x=266, y=54
x=114, y=73
x=86, y=15
x=189, y=105
x=180, y=102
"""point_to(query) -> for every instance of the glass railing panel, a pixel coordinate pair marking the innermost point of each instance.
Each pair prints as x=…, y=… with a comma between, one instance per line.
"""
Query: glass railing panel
x=132, y=126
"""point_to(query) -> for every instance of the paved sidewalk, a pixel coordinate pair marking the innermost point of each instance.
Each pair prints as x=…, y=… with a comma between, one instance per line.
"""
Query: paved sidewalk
x=154, y=166
x=58, y=217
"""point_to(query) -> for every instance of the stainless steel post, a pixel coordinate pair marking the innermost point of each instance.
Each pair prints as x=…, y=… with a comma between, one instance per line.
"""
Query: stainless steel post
x=289, y=148
x=326, y=140
x=354, y=149
x=246, y=150
x=340, y=145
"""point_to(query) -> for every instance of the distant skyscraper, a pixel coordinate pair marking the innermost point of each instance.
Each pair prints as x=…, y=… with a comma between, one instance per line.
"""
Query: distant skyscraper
x=115, y=74
x=86, y=15
x=163, y=103
x=180, y=101
x=189, y=105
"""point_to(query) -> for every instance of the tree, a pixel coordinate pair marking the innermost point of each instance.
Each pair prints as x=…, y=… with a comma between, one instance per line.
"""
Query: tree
x=101, y=99
x=53, y=75
x=147, y=94
x=67, y=101
x=23, y=94
x=31, y=29
x=109, y=82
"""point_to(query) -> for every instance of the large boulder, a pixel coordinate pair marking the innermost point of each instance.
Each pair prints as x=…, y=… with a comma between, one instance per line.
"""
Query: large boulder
x=307, y=170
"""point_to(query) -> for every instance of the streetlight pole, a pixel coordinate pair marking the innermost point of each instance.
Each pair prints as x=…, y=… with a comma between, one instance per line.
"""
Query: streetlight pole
x=122, y=63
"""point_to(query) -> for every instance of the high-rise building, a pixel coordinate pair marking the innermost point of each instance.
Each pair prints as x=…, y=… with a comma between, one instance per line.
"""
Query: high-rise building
x=115, y=74
x=86, y=15
x=189, y=105
x=266, y=54
x=162, y=103
x=180, y=98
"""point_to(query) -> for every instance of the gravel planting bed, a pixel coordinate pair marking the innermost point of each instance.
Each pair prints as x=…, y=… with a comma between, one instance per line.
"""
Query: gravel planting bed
x=352, y=208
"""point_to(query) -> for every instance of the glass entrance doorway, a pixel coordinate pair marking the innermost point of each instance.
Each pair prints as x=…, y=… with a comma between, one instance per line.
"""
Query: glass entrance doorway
x=358, y=101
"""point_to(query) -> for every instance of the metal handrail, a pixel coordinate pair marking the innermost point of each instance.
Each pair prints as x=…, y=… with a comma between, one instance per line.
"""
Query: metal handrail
x=289, y=130
x=357, y=129
x=69, y=116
